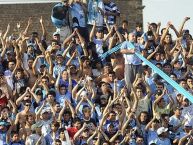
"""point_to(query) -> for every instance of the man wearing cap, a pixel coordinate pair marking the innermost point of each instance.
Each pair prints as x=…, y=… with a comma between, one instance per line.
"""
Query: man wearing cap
x=176, y=120
x=132, y=62
x=187, y=108
x=162, y=137
x=36, y=134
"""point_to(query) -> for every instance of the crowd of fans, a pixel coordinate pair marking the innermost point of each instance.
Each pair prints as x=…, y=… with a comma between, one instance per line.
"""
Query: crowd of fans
x=60, y=91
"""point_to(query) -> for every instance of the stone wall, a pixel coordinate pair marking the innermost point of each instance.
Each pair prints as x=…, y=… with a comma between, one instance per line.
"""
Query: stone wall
x=14, y=13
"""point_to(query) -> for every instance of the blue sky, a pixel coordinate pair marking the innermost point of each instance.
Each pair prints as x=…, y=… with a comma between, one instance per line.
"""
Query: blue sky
x=168, y=10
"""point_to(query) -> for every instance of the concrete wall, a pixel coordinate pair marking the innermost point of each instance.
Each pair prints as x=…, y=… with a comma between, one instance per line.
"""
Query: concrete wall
x=14, y=13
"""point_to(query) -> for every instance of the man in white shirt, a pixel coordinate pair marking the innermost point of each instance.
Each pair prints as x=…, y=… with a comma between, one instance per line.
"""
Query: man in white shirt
x=176, y=120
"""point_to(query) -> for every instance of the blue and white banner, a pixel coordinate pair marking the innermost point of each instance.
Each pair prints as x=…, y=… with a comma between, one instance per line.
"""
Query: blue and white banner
x=180, y=89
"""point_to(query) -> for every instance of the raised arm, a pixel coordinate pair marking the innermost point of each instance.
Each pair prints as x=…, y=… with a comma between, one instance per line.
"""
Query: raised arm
x=92, y=136
x=43, y=27
x=91, y=37
x=77, y=135
x=82, y=41
x=149, y=124
x=134, y=107
x=28, y=25
x=182, y=25
x=78, y=105
x=115, y=136
x=175, y=30
x=148, y=89
x=40, y=46
x=39, y=111
x=35, y=96
x=57, y=82
x=71, y=108
x=6, y=32
x=68, y=39
x=18, y=101
x=118, y=34
x=153, y=53
x=164, y=35
x=157, y=100
x=34, y=69
x=183, y=140
x=126, y=123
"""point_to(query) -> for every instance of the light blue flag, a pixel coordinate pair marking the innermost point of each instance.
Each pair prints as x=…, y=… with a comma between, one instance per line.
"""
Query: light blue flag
x=180, y=89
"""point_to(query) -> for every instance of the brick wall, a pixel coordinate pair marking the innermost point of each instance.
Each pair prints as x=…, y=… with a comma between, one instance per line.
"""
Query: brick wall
x=21, y=12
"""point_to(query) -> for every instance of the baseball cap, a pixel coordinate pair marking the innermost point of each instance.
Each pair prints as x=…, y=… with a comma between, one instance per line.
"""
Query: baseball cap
x=161, y=130
x=56, y=33
x=45, y=110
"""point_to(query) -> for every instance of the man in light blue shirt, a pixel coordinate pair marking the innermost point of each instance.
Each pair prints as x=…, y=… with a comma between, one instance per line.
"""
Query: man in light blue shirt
x=132, y=61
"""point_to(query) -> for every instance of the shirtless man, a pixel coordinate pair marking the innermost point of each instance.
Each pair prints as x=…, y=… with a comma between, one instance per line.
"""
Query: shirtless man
x=32, y=77
x=21, y=117
x=86, y=67
x=118, y=65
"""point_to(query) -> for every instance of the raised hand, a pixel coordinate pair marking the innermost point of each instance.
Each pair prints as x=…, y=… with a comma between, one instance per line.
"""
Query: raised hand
x=186, y=18
x=1, y=33
x=29, y=21
x=8, y=27
x=41, y=20
x=18, y=25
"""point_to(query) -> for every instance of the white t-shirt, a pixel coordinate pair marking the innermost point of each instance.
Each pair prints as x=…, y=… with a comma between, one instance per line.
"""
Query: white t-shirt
x=174, y=121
